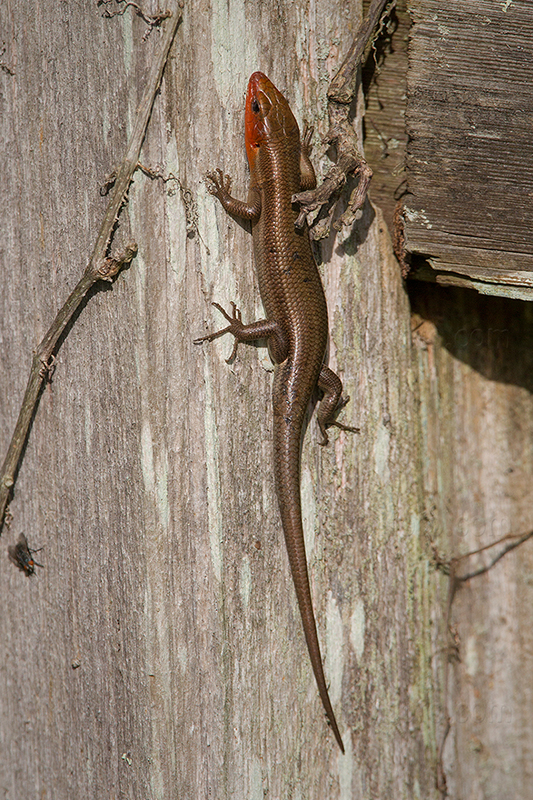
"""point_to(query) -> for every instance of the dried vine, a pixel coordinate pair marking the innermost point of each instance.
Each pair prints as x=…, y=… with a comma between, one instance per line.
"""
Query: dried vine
x=101, y=266
x=350, y=161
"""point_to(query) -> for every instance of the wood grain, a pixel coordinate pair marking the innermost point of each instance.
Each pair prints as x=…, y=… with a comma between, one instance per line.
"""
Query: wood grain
x=384, y=79
x=470, y=156
x=476, y=409
x=159, y=652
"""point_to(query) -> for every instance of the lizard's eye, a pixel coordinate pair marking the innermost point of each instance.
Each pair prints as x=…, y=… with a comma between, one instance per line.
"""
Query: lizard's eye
x=256, y=108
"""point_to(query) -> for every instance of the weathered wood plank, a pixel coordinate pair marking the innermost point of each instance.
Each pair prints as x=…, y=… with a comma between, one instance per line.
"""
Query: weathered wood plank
x=385, y=85
x=159, y=654
x=470, y=153
x=475, y=364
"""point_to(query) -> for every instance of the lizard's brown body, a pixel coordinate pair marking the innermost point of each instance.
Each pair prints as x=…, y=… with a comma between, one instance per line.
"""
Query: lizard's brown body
x=296, y=324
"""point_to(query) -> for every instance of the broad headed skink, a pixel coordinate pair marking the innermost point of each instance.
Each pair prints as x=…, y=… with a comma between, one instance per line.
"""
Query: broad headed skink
x=296, y=324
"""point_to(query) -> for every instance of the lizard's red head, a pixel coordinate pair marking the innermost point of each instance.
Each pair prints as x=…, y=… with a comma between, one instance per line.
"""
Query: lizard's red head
x=267, y=115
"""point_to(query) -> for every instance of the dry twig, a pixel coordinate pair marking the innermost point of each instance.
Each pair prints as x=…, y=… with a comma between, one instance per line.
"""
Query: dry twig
x=189, y=203
x=152, y=20
x=101, y=266
x=3, y=66
x=449, y=567
x=341, y=93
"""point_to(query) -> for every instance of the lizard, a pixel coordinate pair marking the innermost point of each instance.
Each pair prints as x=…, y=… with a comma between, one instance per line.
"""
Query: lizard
x=296, y=323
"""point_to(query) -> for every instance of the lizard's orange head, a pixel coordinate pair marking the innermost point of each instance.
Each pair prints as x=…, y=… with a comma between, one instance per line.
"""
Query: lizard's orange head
x=267, y=115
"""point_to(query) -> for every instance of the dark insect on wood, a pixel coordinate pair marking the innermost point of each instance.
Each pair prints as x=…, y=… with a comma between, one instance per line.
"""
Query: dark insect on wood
x=22, y=556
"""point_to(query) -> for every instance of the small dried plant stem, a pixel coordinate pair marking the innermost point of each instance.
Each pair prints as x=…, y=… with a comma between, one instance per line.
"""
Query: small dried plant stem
x=341, y=93
x=342, y=87
x=100, y=267
x=454, y=583
x=516, y=541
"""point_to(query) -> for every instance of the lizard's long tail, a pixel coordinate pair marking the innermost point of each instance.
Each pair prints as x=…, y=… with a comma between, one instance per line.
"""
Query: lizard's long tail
x=287, y=434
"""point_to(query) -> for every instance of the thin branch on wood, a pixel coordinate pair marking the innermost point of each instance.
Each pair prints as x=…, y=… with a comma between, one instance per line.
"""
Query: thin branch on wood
x=3, y=66
x=152, y=20
x=517, y=540
x=101, y=266
x=342, y=87
x=449, y=566
x=341, y=93
x=452, y=652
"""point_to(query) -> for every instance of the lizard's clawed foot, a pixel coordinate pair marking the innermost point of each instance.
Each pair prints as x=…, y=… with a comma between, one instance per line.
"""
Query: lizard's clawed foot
x=217, y=183
x=235, y=327
x=333, y=423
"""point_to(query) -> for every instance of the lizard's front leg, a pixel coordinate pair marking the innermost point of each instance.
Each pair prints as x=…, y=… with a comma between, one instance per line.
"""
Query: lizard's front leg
x=219, y=185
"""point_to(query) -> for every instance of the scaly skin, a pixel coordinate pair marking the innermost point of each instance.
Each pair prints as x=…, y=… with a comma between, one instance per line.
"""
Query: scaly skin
x=296, y=324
